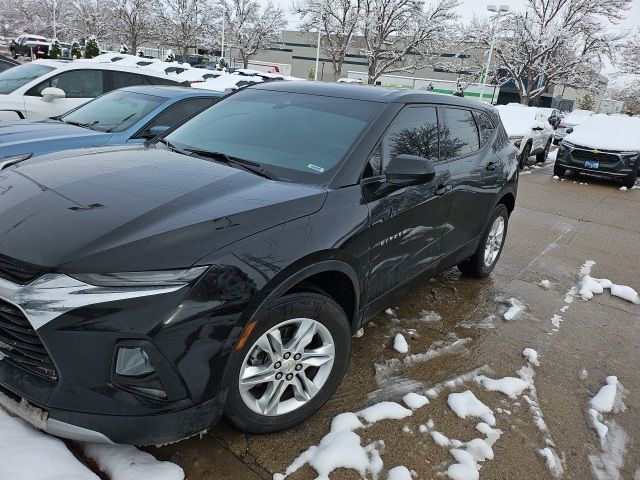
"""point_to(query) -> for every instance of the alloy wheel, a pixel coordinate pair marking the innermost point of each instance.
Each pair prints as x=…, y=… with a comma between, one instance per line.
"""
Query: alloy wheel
x=494, y=241
x=286, y=367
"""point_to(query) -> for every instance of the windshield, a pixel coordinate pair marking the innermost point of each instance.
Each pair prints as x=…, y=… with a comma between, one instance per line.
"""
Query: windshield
x=114, y=112
x=298, y=137
x=16, y=77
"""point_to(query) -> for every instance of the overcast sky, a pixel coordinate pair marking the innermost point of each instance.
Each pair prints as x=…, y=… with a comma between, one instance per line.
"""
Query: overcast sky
x=469, y=8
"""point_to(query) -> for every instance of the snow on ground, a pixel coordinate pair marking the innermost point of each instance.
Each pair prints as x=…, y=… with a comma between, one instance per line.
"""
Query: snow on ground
x=589, y=286
x=382, y=411
x=414, y=400
x=465, y=404
x=391, y=312
x=487, y=323
x=29, y=454
x=532, y=356
x=427, y=316
x=546, y=284
x=125, y=462
x=399, y=473
x=510, y=386
x=514, y=310
x=607, y=399
x=400, y=344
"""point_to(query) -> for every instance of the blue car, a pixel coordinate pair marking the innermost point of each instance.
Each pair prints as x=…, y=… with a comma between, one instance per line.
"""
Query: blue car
x=126, y=116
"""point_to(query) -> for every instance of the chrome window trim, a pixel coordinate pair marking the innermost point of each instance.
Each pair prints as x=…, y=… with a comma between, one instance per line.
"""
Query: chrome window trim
x=55, y=294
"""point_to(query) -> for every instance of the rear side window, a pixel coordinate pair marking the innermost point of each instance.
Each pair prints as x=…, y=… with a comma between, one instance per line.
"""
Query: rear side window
x=460, y=134
x=124, y=79
x=177, y=112
x=414, y=131
x=159, y=81
x=485, y=126
x=75, y=83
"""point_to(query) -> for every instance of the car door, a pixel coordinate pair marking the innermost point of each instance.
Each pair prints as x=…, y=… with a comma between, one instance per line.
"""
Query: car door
x=406, y=223
x=79, y=86
x=475, y=173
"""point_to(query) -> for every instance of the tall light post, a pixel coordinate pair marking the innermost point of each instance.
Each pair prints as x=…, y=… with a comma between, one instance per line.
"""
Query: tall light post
x=318, y=47
x=499, y=10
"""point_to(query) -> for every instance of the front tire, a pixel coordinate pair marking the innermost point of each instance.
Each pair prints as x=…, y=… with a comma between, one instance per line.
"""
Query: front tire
x=630, y=180
x=558, y=170
x=524, y=156
x=483, y=261
x=291, y=364
x=542, y=156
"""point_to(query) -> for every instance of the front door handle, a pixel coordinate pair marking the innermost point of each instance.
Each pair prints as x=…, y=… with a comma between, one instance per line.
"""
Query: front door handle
x=443, y=189
x=491, y=166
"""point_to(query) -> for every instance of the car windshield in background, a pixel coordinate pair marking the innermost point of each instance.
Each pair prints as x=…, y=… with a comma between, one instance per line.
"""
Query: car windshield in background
x=16, y=77
x=113, y=112
x=298, y=137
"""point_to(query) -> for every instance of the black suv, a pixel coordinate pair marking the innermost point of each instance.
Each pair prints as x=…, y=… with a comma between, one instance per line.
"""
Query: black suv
x=146, y=290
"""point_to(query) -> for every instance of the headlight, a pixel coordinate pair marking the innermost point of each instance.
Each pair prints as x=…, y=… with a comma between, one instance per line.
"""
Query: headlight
x=141, y=279
x=12, y=160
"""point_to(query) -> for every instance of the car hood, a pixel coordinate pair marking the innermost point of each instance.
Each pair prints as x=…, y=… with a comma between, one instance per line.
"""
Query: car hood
x=137, y=208
x=32, y=137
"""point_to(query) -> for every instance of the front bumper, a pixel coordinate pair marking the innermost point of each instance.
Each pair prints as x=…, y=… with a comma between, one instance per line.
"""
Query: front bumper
x=610, y=164
x=187, y=331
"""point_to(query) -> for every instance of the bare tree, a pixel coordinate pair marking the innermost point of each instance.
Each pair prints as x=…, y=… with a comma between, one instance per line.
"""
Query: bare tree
x=404, y=35
x=50, y=18
x=553, y=42
x=249, y=29
x=132, y=22
x=338, y=21
x=90, y=17
x=185, y=23
x=629, y=58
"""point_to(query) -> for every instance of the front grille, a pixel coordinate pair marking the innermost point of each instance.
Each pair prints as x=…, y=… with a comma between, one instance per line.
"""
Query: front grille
x=599, y=156
x=21, y=345
x=17, y=271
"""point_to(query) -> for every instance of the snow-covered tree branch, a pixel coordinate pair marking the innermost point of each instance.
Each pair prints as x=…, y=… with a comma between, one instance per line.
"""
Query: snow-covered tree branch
x=185, y=23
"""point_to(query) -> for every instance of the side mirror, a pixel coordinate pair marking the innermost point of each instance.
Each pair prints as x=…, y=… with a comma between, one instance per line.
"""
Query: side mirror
x=155, y=131
x=410, y=170
x=569, y=130
x=51, y=93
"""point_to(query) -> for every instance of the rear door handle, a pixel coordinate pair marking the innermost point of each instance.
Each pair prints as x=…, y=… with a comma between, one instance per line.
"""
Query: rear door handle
x=443, y=189
x=491, y=166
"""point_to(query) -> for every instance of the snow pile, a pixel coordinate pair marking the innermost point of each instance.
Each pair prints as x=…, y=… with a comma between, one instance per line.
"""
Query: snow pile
x=400, y=344
x=510, y=386
x=390, y=311
x=125, y=462
x=606, y=132
x=399, y=473
x=227, y=81
x=546, y=284
x=589, y=286
x=605, y=399
x=516, y=307
x=342, y=448
x=29, y=454
x=486, y=323
x=427, y=316
x=531, y=355
x=554, y=464
x=415, y=400
x=465, y=404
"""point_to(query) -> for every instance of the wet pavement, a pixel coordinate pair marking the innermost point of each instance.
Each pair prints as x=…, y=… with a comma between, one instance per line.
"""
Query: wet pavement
x=556, y=227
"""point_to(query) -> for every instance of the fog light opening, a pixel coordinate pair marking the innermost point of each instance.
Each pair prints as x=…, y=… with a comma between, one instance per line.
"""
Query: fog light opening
x=133, y=362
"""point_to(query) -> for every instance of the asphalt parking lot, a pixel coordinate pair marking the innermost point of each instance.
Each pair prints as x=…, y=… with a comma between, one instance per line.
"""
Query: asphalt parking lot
x=556, y=228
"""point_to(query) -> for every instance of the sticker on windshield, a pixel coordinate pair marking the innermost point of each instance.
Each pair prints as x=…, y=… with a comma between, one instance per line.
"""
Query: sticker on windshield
x=315, y=167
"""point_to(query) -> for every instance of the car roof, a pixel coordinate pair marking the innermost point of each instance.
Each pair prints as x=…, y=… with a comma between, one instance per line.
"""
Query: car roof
x=170, y=91
x=63, y=65
x=368, y=92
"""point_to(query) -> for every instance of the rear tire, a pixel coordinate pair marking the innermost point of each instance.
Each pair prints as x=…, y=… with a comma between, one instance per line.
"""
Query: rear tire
x=542, y=156
x=320, y=325
x=483, y=261
x=524, y=156
x=630, y=180
x=559, y=170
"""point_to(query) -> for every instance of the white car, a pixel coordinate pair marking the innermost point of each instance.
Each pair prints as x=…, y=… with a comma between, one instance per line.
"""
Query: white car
x=46, y=88
x=571, y=120
x=529, y=131
x=227, y=82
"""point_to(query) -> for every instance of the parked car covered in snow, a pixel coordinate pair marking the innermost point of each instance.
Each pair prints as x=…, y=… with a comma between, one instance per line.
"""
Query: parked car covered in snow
x=27, y=45
x=46, y=88
x=572, y=119
x=529, y=130
x=602, y=144
x=227, y=82
x=129, y=115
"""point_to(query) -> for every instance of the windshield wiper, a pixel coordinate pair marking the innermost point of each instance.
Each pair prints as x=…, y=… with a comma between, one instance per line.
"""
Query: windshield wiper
x=172, y=147
x=247, y=165
x=110, y=130
x=88, y=125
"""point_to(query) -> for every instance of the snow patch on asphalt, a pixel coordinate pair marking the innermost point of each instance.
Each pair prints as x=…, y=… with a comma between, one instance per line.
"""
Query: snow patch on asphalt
x=399, y=473
x=514, y=310
x=510, y=386
x=465, y=404
x=382, y=411
x=532, y=356
x=400, y=345
x=428, y=316
x=414, y=400
x=546, y=284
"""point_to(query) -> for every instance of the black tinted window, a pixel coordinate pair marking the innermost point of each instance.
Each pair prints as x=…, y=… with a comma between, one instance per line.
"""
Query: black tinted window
x=75, y=83
x=461, y=133
x=413, y=132
x=485, y=126
x=159, y=81
x=177, y=112
x=125, y=79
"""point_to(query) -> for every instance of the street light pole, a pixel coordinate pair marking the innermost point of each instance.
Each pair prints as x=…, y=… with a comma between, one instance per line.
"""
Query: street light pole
x=499, y=10
x=318, y=47
x=222, y=44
